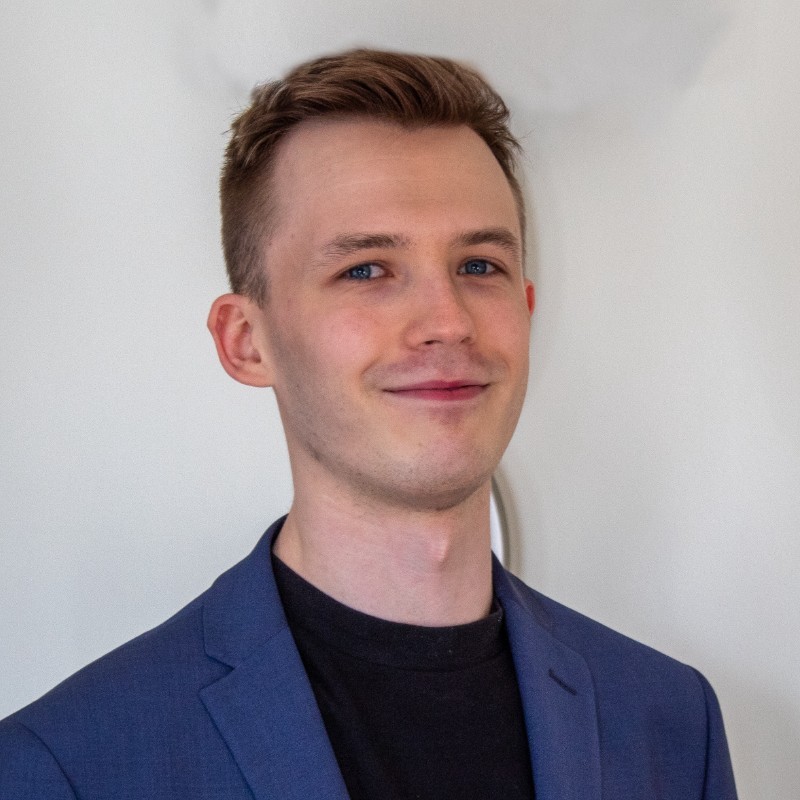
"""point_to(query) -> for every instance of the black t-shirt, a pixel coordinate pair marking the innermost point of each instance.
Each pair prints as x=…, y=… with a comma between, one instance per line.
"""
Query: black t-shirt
x=412, y=711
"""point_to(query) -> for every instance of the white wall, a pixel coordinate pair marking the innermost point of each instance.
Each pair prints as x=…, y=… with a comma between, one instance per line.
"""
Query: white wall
x=653, y=478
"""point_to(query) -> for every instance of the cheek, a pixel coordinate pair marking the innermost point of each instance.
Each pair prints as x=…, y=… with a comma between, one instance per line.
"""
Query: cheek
x=509, y=328
x=355, y=335
x=325, y=348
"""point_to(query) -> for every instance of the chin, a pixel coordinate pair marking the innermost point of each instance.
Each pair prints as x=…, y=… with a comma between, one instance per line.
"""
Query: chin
x=436, y=490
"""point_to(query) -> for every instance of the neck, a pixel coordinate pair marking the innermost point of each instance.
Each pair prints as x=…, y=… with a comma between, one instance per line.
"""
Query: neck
x=418, y=567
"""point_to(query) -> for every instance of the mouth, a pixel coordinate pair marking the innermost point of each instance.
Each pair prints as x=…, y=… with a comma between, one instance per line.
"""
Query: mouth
x=440, y=390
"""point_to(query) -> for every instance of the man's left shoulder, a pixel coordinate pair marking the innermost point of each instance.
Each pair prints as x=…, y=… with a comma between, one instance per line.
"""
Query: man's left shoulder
x=604, y=649
x=646, y=720
x=636, y=688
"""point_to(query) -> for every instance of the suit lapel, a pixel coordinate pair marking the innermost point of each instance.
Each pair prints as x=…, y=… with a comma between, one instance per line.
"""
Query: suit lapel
x=266, y=712
x=558, y=700
x=264, y=708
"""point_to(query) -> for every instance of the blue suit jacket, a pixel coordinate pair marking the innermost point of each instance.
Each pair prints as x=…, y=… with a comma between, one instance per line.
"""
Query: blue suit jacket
x=215, y=703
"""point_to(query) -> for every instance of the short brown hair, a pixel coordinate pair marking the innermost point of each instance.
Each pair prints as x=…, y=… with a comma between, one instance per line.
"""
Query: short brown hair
x=409, y=90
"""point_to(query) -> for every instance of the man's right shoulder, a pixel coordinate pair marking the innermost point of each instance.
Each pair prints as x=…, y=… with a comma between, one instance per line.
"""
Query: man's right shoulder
x=107, y=707
x=136, y=718
x=127, y=674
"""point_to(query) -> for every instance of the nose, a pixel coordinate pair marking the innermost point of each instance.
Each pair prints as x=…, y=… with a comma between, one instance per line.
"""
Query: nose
x=439, y=314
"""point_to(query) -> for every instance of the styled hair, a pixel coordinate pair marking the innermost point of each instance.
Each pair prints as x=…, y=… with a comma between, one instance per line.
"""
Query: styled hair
x=412, y=91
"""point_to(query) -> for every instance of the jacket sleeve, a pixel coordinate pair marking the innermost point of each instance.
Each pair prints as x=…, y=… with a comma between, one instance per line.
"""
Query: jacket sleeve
x=28, y=770
x=719, y=782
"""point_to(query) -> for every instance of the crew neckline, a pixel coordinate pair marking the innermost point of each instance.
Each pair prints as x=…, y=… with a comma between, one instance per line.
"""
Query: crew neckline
x=380, y=641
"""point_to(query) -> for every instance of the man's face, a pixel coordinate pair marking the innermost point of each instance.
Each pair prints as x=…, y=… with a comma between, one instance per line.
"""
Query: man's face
x=397, y=324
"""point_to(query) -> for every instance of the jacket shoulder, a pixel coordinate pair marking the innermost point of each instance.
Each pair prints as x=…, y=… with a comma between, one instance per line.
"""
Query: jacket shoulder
x=602, y=647
x=653, y=711
x=156, y=662
x=133, y=714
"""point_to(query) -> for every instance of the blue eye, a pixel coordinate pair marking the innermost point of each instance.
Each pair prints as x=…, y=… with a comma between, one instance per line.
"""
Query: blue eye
x=364, y=272
x=477, y=266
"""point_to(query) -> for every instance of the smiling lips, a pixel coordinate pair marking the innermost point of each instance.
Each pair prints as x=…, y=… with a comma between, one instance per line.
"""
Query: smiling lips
x=440, y=390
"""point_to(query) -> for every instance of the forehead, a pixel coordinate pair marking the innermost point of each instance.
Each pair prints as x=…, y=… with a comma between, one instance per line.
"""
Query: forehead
x=340, y=172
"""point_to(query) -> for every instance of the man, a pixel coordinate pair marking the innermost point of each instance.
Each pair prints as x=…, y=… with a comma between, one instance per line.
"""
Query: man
x=373, y=228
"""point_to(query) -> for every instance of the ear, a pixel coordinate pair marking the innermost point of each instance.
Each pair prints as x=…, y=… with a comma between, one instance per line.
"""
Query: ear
x=530, y=295
x=234, y=324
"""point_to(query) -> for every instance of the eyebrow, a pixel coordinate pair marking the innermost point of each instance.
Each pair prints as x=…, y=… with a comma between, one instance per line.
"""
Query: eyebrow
x=502, y=237
x=349, y=243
